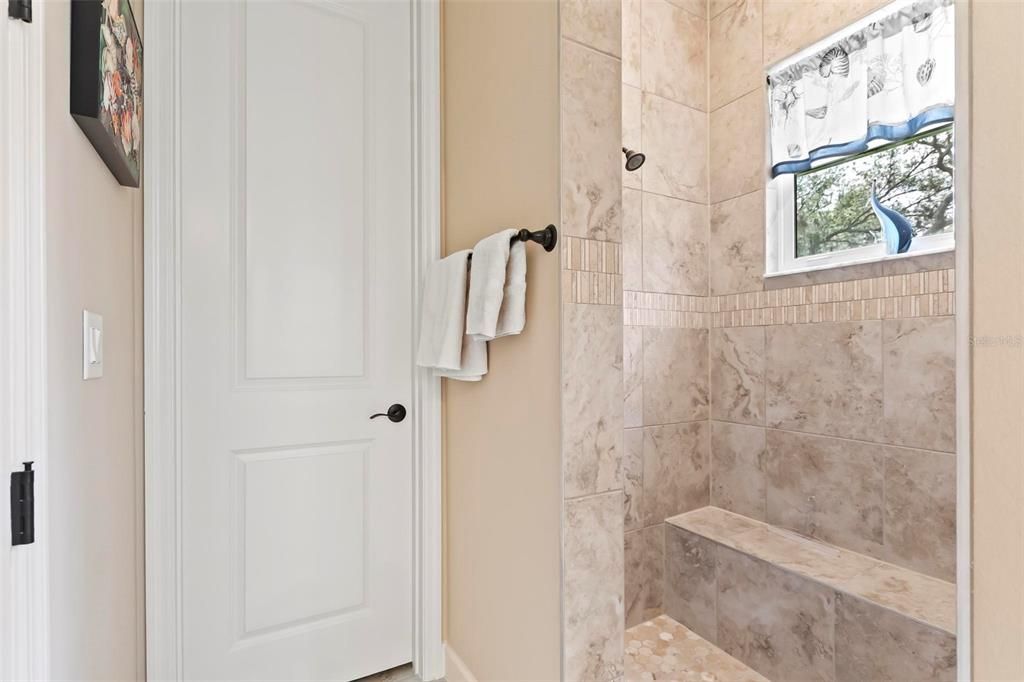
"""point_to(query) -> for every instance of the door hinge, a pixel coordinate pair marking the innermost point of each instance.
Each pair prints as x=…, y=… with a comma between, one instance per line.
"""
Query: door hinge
x=23, y=506
x=20, y=9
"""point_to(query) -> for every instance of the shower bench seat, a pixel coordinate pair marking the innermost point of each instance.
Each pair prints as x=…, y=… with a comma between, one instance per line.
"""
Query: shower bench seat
x=795, y=608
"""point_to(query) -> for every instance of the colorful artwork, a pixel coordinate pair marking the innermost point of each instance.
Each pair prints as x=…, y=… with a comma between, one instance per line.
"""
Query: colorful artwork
x=106, y=83
x=121, y=70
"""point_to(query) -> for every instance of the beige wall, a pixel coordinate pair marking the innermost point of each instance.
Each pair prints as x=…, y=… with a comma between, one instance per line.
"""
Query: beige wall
x=94, y=261
x=502, y=460
x=997, y=280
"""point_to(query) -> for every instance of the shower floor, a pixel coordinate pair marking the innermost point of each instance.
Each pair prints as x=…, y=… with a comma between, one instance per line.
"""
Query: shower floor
x=662, y=649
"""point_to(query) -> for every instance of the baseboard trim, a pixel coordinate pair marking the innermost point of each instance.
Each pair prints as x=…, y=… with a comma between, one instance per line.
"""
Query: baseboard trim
x=455, y=669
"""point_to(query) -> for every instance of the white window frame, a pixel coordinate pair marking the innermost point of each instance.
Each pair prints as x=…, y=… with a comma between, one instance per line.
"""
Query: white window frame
x=780, y=191
x=780, y=246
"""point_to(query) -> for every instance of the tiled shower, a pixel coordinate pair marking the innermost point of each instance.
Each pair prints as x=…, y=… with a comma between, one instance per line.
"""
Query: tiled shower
x=785, y=441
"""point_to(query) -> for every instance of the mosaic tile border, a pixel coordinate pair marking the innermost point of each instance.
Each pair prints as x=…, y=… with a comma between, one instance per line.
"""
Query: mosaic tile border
x=591, y=255
x=591, y=271
x=646, y=309
x=897, y=307
x=889, y=286
x=919, y=294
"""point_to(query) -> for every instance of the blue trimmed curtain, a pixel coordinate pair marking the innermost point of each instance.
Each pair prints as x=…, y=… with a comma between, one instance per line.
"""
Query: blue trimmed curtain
x=884, y=83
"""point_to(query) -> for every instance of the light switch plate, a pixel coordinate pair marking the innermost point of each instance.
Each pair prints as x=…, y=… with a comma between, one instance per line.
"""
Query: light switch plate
x=92, y=345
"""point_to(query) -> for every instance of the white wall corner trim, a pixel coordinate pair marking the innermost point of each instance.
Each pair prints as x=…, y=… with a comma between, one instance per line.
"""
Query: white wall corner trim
x=458, y=671
x=164, y=654
x=24, y=574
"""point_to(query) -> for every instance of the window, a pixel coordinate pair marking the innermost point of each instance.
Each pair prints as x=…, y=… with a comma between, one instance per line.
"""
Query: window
x=914, y=178
x=861, y=143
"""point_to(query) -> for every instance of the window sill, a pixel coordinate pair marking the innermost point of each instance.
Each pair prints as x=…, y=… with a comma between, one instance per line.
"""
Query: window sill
x=945, y=248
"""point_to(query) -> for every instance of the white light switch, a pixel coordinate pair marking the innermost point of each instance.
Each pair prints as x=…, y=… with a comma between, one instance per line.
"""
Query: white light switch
x=92, y=345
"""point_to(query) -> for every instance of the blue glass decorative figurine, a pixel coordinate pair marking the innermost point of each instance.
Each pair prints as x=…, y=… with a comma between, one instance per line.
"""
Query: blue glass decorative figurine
x=897, y=230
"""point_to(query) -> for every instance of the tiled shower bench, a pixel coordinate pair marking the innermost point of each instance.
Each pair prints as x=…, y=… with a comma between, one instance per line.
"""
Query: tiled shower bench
x=797, y=609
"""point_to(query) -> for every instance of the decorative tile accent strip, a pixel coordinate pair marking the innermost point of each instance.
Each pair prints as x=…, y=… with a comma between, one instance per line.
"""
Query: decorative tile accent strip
x=891, y=286
x=591, y=287
x=919, y=294
x=633, y=317
x=646, y=309
x=645, y=300
x=591, y=255
x=922, y=305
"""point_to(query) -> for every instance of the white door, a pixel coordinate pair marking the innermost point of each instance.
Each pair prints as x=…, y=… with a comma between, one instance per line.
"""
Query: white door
x=296, y=514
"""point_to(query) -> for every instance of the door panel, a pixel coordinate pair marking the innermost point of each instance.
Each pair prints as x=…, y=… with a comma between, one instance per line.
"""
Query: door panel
x=296, y=326
x=306, y=163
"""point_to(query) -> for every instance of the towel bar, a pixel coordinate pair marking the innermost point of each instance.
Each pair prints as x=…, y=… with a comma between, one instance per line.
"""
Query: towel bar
x=548, y=238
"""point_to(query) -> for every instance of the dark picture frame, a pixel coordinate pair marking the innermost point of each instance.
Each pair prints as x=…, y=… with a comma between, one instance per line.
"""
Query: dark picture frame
x=106, y=83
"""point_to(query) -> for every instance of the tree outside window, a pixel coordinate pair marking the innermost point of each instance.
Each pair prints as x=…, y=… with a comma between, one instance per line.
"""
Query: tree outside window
x=914, y=177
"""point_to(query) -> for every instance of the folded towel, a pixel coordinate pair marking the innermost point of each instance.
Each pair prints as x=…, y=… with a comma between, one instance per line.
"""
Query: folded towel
x=487, y=285
x=474, y=361
x=443, y=344
x=512, y=316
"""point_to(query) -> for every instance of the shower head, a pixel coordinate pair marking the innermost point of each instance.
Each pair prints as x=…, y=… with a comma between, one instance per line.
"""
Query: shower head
x=633, y=159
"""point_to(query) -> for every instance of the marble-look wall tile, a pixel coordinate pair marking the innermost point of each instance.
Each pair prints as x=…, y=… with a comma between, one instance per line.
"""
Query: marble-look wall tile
x=779, y=624
x=676, y=142
x=676, y=470
x=597, y=23
x=738, y=469
x=675, y=246
x=631, y=32
x=737, y=145
x=592, y=402
x=690, y=585
x=593, y=613
x=738, y=374
x=644, y=568
x=920, y=511
x=827, y=488
x=633, y=375
x=919, y=382
x=591, y=143
x=793, y=25
x=737, y=244
x=675, y=375
x=633, y=479
x=632, y=240
x=696, y=7
x=632, y=106
x=674, y=49
x=735, y=66
x=876, y=644
x=842, y=396
x=716, y=7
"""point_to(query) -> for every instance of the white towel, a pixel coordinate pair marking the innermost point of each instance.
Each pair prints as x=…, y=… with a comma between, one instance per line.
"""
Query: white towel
x=443, y=344
x=474, y=361
x=512, y=316
x=487, y=284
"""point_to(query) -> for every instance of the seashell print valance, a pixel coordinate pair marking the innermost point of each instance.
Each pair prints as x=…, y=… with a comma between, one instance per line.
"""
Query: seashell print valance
x=885, y=82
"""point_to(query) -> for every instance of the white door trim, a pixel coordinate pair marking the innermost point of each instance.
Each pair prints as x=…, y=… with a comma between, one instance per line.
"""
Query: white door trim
x=24, y=577
x=162, y=343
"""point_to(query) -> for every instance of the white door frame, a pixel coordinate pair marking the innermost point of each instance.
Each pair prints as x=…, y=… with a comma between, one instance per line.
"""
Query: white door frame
x=24, y=578
x=163, y=348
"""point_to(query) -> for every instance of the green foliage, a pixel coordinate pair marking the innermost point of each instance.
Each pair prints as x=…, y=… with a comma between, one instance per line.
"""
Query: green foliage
x=914, y=177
